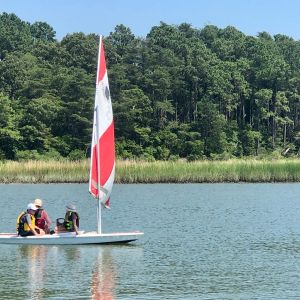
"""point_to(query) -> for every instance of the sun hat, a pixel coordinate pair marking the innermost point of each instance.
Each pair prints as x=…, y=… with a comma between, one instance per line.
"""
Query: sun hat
x=71, y=207
x=38, y=202
x=31, y=206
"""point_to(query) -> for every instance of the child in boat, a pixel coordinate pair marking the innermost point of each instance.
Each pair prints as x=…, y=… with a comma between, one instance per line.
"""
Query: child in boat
x=70, y=222
x=42, y=219
x=26, y=222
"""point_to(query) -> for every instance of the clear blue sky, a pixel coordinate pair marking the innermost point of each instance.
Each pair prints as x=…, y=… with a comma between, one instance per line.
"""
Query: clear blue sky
x=101, y=17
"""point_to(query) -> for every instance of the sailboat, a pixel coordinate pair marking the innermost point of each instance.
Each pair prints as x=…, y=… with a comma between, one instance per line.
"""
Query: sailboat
x=102, y=173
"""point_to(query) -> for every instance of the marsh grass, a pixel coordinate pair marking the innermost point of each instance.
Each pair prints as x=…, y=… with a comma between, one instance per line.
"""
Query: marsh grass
x=209, y=171
x=44, y=171
x=250, y=170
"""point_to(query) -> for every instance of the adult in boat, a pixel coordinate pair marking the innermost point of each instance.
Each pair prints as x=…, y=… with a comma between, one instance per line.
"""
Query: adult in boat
x=26, y=222
x=70, y=222
x=42, y=219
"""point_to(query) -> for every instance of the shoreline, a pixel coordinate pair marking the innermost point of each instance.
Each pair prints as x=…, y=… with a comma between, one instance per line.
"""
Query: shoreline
x=230, y=171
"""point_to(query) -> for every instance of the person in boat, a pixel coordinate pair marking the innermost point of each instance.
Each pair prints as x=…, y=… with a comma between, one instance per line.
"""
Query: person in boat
x=42, y=219
x=70, y=222
x=26, y=222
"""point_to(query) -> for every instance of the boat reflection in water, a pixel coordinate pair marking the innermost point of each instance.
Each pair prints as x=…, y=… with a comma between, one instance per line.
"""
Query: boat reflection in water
x=75, y=272
x=69, y=271
x=36, y=262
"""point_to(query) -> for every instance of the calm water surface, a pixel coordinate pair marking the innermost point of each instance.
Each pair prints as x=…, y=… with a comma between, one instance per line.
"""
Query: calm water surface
x=202, y=241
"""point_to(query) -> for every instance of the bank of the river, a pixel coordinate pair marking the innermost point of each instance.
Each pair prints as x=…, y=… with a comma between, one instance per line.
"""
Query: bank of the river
x=285, y=170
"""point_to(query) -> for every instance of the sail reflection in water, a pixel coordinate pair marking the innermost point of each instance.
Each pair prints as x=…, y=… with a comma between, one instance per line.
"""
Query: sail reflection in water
x=103, y=285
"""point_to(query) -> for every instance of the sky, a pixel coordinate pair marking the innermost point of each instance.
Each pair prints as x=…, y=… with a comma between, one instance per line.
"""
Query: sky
x=101, y=17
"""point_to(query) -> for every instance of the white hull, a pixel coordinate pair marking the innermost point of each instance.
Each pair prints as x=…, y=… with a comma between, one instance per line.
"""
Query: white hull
x=71, y=238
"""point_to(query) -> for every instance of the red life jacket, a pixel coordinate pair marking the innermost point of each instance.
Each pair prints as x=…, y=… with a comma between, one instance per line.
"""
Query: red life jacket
x=39, y=221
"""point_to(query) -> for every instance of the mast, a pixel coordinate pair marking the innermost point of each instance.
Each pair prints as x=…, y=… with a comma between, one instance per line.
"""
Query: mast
x=99, y=229
x=99, y=212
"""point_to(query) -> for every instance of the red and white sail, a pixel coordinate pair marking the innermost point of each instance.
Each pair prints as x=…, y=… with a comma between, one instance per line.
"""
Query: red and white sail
x=102, y=171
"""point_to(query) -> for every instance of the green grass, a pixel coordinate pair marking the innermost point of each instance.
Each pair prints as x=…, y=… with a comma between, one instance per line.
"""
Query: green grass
x=285, y=170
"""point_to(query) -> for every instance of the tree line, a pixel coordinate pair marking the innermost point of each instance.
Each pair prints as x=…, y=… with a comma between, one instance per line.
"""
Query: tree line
x=179, y=92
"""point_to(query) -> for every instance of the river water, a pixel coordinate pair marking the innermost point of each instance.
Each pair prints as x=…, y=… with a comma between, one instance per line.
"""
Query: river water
x=202, y=241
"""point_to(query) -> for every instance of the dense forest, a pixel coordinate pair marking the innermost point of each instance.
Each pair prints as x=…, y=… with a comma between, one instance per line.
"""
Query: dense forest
x=179, y=92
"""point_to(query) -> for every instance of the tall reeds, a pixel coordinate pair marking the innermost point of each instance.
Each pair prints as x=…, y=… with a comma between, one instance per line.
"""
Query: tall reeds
x=251, y=170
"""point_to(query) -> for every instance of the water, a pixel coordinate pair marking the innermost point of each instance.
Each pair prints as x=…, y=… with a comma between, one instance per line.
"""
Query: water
x=202, y=241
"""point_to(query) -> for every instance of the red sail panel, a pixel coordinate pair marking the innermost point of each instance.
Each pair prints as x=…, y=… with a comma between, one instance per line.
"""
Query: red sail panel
x=107, y=154
x=107, y=160
x=101, y=64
